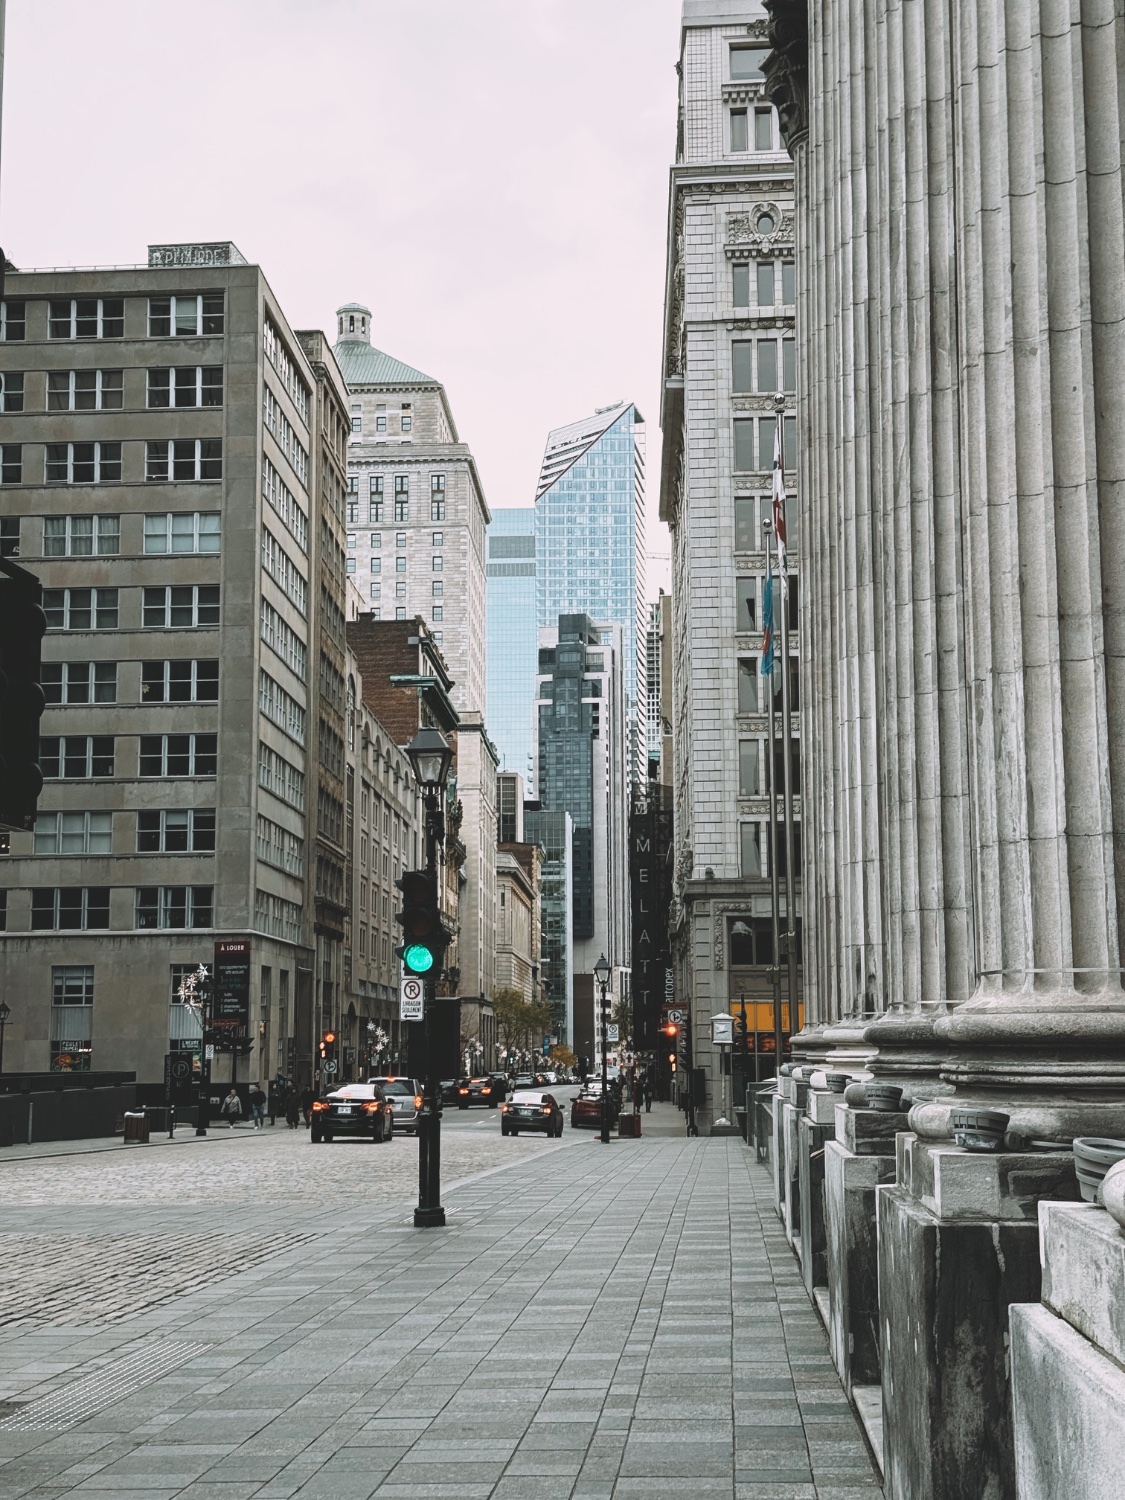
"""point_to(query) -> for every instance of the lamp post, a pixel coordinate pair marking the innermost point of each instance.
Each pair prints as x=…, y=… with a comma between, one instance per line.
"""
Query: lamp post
x=601, y=974
x=5, y=1013
x=431, y=757
x=722, y=1036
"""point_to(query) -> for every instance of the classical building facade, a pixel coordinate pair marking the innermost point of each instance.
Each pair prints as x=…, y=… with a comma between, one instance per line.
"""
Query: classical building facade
x=961, y=363
x=519, y=867
x=173, y=473
x=729, y=383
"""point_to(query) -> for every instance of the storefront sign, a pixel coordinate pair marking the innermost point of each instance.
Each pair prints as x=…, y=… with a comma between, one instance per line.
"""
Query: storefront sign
x=231, y=1008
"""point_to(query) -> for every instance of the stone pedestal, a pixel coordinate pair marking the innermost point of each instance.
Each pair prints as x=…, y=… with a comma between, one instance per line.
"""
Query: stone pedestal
x=811, y=1142
x=791, y=1179
x=1068, y=1362
x=958, y=1244
x=856, y=1162
x=778, y=1154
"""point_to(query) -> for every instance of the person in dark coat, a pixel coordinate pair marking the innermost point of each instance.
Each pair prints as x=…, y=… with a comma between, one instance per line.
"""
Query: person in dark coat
x=307, y=1097
x=292, y=1109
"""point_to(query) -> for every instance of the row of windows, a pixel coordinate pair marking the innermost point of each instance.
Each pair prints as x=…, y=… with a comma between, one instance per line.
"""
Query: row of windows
x=165, y=532
x=283, y=640
x=754, y=366
x=764, y=283
x=285, y=505
x=754, y=441
x=278, y=356
x=287, y=440
x=85, y=757
x=191, y=459
x=86, y=908
x=104, y=390
x=375, y=566
x=401, y=498
x=280, y=848
x=283, y=780
x=281, y=708
x=406, y=418
x=165, y=607
x=185, y=681
x=375, y=539
x=167, y=831
x=284, y=571
x=104, y=317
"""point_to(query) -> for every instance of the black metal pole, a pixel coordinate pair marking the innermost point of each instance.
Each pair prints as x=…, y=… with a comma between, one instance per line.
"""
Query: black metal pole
x=430, y=1214
x=605, y=1069
x=203, y=1108
x=3, y=1025
x=692, y=1127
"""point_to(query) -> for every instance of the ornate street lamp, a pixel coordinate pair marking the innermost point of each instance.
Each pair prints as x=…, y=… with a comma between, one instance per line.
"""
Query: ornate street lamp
x=5, y=1013
x=430, y=756
x=601, y=974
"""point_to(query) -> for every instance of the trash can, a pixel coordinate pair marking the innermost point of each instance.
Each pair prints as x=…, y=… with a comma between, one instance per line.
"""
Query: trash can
x=158, y=1117
x=629, y=1124
x=136, y=1127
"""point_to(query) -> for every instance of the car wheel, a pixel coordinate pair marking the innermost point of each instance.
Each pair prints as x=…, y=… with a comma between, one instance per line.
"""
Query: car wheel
x=462, y=1104
x=390, y=1130
x=504, y=1130
x=514, y=1130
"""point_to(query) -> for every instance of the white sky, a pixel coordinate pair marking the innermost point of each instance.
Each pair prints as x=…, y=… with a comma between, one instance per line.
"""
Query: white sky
x=489, y=177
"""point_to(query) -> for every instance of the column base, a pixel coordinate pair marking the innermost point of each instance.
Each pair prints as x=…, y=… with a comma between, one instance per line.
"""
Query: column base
x=429, y=1218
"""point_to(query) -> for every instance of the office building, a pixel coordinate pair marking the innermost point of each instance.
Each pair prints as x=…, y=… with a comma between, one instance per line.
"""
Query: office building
x=173, y=472
x=518, y=930
x=553, y=832
x=512, y=637
x=590, y=538
x=729, y=380
x=581, y=770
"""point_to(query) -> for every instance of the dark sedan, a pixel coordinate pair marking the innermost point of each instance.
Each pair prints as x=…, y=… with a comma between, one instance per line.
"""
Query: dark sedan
x=477, y=1091
x=586, y=1110
x=530, y=1110
x=359, y=1109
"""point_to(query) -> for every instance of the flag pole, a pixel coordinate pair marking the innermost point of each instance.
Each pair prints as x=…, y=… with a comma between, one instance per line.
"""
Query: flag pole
x=768, y=658
x=780, y=541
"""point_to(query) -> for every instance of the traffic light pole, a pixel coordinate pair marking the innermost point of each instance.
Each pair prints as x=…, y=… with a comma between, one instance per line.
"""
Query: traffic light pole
x=430, y=1214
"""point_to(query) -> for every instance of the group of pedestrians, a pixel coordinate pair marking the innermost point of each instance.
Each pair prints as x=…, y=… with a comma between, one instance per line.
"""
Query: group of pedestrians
x=296, y=1104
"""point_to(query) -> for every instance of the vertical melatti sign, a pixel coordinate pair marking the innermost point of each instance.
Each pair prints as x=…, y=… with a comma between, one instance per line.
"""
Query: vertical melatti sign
x=650, y=829
x=231, y=1011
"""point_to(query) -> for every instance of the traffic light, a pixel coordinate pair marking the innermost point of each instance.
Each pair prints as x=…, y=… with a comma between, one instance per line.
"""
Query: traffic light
x=420, y=919
x=22, y=626
x=327, y=1046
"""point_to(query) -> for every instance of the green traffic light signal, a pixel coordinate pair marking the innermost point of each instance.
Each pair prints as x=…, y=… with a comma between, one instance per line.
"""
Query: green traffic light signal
x=418, y=958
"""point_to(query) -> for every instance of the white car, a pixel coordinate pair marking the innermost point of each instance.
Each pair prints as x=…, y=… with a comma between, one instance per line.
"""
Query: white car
x=405, y=1095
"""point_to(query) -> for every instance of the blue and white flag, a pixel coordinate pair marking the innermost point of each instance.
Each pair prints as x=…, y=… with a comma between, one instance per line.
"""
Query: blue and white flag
x=767, y=627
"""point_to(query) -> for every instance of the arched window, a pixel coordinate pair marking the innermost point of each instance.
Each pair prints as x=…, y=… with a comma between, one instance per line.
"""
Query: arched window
x=351, y=322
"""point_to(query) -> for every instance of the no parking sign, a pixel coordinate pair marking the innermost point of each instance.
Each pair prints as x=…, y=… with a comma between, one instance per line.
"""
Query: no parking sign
x=411, y=999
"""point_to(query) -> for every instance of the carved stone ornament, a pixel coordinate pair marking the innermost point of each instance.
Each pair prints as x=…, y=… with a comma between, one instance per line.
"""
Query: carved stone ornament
x=786, y=69
x=675, y=357
x=745, y=239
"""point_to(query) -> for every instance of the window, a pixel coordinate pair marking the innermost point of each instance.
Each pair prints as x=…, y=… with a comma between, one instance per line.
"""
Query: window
x=746, y=524
x=353, y=512
x=285, y=505
x=375, y=539
x=9, y=536
x=275, y=915
x=765, y=283
x=381, y=422
x=184, y=458
x=80, y=609
x=279, y=358
x=178, y=754
x=85, y=390
x=375, y=500
x=742, y=359
x=185, y=317
x=739, y=137
x=176, y=831
x=186, y=385
x=400, y=592
x=351, y=539
x=437, y=563
x=437, y=639
x=744, y=443
x=281, y=708
x=72, y=984
x=13, y=321
x=81, y=536
x=400, y=538
x=402, y=497
x=740, y=276
x=69, y=907
x=77, y=757
x=748, y=684
x=746, y=62
x=283, y=570
x=767, y=365
x=748, y=780
x=11, y=391
x=279, y=425
x=350, y=565
x=11, y=463
x=87, y=318
x=192, y=531
x=74, y=833
x=376, y=591
x=750, y=841
x=789, y=447
x=437, y=613
x=83, y=463
x=181, y=606
x=400, y=564
x=747, y=592
x=79, y=681
x=763, y=130
x=283, y=640
x=280, y=848
x=439, y=539
x=174, y=906
x=180, y=681
x=437, y=497
x=276, y=775
x=437, y=588
x=376, y=565
x=357, y=418
x=400, y=611
x=767, y=437
x=788, y=283
x=407, y=421
x=788, y=365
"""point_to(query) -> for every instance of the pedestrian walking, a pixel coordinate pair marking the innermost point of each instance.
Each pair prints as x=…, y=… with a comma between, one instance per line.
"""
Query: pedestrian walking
x=258, y=1106
x=307, y=1104
x=293, y=1109
x=648, y=1093
x=273, y=1104
x=232, y=1107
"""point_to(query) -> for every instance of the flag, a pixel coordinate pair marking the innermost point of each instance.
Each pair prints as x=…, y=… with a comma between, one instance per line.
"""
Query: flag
x=767, y=627
x=779, y=504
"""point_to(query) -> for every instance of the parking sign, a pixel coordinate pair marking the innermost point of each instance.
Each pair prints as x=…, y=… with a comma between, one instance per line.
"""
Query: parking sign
x=411, y=999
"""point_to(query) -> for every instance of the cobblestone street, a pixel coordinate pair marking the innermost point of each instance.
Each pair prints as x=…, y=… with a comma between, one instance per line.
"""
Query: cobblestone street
x=593, y=1323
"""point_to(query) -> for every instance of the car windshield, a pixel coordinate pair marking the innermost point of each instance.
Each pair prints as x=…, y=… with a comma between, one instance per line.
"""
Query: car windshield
x=526, y=1097
x=397, y=1085
x=355, y=1091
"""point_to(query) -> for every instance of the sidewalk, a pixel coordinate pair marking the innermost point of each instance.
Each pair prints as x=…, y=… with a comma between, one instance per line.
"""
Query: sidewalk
x=593, y=1324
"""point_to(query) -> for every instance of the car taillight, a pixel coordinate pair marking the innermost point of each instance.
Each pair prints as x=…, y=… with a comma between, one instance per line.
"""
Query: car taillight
x=462, y=1091
x=417, y=1101
x=503, y=1109
x=486, y=1091
x=320, y=1104
x=372, y=1106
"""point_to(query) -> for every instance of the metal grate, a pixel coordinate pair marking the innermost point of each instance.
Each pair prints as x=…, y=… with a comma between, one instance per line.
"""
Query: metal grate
x=110, y=1383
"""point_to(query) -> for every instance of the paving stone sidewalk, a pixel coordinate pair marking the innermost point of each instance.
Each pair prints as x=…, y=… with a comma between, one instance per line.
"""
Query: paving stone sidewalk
x=595, y=1323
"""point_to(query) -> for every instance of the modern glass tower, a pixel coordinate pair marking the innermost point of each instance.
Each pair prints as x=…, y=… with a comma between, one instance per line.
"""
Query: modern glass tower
x=590, y=530
x=513, y=655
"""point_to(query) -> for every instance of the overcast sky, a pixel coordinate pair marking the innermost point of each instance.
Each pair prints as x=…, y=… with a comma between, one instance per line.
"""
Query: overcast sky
x=489, y=177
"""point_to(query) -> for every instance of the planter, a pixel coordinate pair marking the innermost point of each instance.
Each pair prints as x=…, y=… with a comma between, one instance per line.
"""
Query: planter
x=979, y=1129
x=1112, y=1193
x=1093, y=1158
x=837, y=1082
x=885, y=1097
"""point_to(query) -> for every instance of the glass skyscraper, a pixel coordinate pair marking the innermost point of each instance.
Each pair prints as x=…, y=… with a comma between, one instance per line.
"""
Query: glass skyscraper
x=590, y=530
x=513, y=656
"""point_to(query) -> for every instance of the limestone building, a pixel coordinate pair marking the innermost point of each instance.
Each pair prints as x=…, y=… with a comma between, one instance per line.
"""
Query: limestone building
x=173, y=472
x=416, y=534
x=729, y=381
